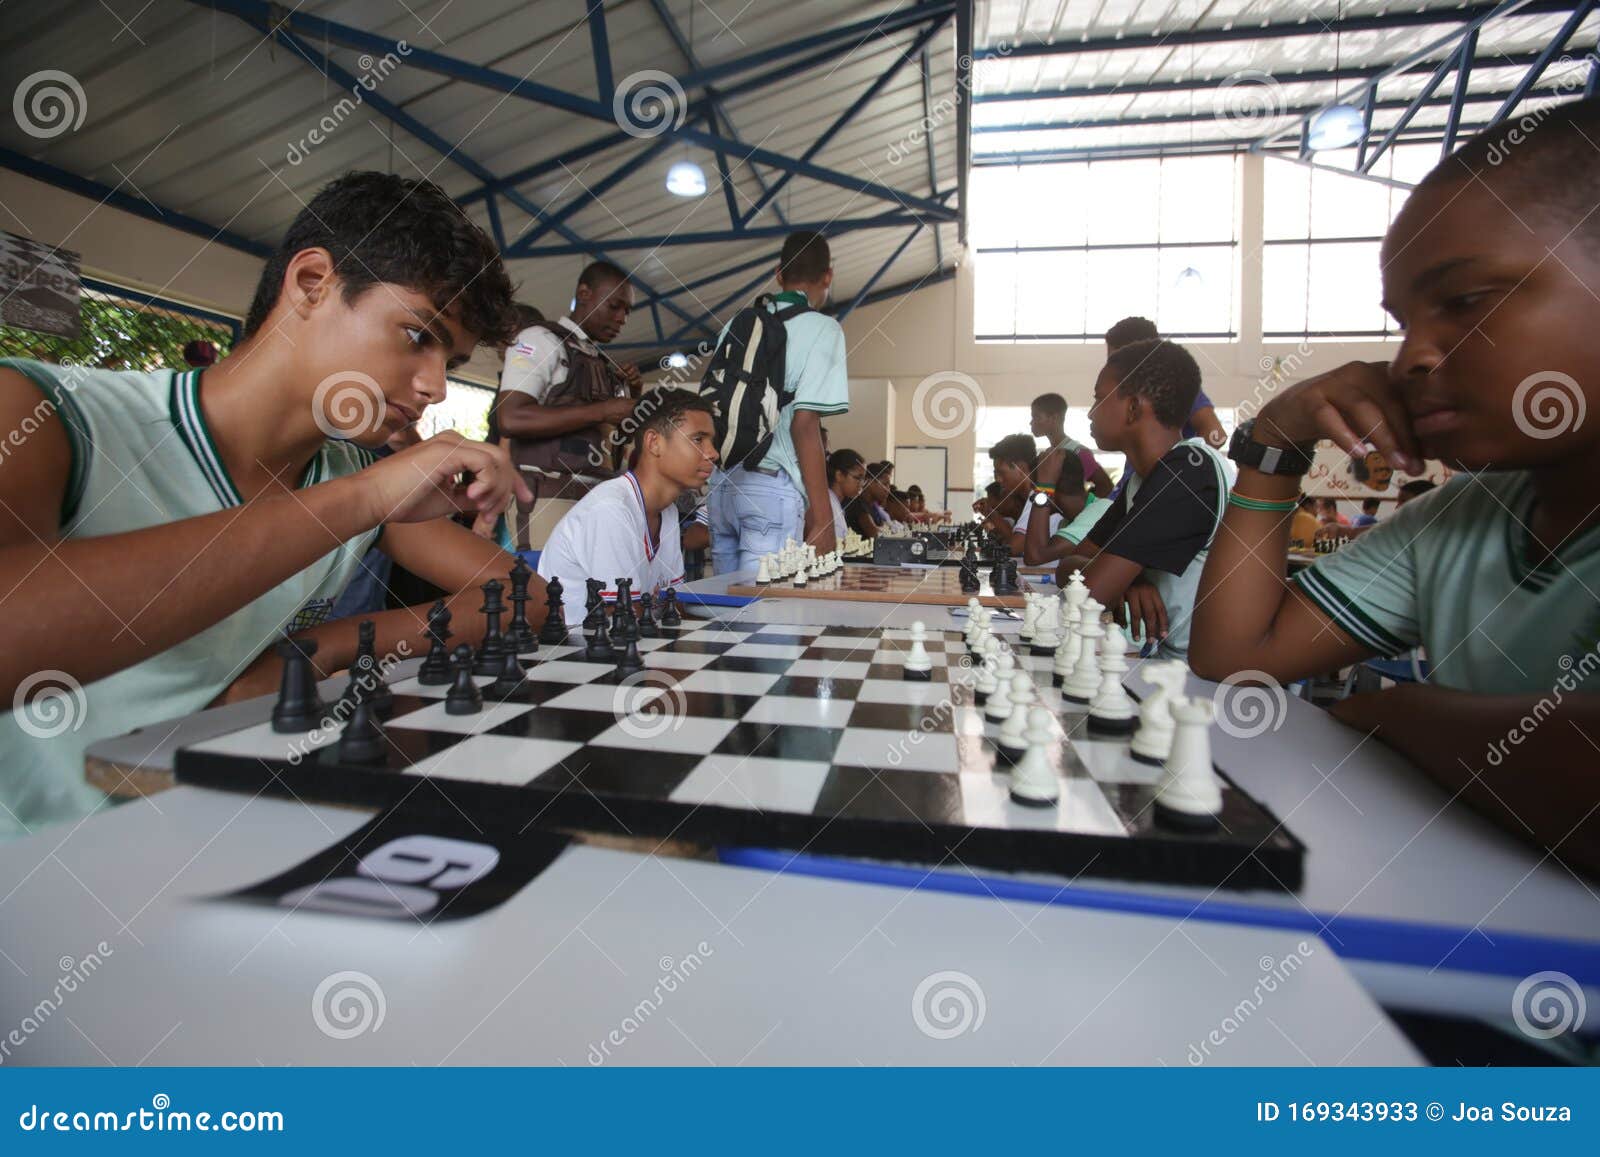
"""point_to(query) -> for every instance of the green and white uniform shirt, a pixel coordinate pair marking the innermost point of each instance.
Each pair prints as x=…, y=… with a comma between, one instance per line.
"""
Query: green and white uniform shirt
x=1451, y=571
x=142, y=456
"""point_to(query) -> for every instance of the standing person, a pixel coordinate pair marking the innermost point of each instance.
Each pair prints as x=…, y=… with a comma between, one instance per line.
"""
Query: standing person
x=560, y=398
x=755, y=509
x=1202, y=421
x=1049, y=421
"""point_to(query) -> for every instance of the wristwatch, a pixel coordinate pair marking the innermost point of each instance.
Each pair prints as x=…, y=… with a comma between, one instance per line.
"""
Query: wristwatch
x=1288, y=460
x=1040, y=498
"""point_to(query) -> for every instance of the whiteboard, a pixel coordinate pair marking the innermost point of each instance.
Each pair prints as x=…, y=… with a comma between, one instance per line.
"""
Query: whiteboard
x=927, y=467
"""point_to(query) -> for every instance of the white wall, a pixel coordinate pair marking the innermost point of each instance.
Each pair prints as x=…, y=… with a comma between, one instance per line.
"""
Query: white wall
x=928, y=333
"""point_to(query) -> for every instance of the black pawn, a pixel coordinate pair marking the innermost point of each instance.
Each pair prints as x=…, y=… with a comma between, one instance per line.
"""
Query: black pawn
x=511, y=683
x=362, y=740
x=670, y=615
x=647, y=620
x=298, y=708
x=594, y=604
x=599, y=645
x=554, y=631
x=463, y=698
x=969, y=576
x=494, y=643
x=435, y=669
x=630, y=659
x=519, y=635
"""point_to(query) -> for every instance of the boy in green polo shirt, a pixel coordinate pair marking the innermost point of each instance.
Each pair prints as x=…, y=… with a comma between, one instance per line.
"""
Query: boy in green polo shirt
x=1491, y=268
x=160, y=530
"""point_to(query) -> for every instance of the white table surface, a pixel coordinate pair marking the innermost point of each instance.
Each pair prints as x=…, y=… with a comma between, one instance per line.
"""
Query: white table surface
x=793, y=970
x=1384, y=843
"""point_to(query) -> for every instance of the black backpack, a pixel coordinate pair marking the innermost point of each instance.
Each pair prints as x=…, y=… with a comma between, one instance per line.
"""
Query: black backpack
x=744, y=382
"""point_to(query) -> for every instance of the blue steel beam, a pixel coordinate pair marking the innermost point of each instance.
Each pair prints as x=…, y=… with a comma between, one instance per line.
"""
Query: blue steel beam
x=600, y=45
x=963, y=113
x=927, y=136
x=496, y=227
x=1531, y=77
x=850, y=114
x=882, y=269
x=263, y=15
x=1447, y=65
x=743, y=291
x=770, y=259
x=456, y=156
x=129, y=203
x=726, y=180
x=590, y=193
x=760, y=232
x=1469, y=49
x=1244, y=32
x=713, y=98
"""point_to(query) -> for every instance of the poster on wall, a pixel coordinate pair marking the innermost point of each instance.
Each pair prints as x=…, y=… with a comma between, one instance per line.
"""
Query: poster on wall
x=39, y=286
x=1334, y=474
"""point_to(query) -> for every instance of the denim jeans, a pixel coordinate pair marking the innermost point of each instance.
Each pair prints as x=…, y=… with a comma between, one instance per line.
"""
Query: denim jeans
x=751, y=515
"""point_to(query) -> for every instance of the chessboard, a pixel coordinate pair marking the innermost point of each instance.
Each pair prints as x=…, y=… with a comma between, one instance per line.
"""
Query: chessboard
x=735, y=733
x=865, y=583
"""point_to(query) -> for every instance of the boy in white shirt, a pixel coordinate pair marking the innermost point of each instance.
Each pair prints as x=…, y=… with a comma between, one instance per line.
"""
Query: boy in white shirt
x=627, y=527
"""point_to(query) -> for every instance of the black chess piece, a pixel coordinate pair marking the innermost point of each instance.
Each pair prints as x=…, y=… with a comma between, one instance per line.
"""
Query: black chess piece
x=623, y=624
x=1009, y=584
x=519, y=636
x=594, y=604
x=554, y=631
x=511, y=683
x=494, y=644
x=599, y=646
x=373, y=688
x=670, y=615
x=299, y=708
x=362, y=740
x=969, y=576
x=435, y=669
x=648, y=629
x=463, y=698
x=630, y=659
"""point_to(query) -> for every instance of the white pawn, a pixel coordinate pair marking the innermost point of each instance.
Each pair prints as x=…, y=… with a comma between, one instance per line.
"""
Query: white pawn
x=1033, y=780
x=1153, y=741
x=972, y=619
x=918, y=665
x=999, y=705
x=984, y=681
x=1022, y=688
x=1189, y=794
x=1112, y=711
x=1085, y=681
x=1012, y=740
x=764, y=571
x=800, y=577
x=1066, y=656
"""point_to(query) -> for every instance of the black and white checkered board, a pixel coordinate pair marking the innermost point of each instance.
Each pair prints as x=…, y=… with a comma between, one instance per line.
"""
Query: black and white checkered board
x=762, y=734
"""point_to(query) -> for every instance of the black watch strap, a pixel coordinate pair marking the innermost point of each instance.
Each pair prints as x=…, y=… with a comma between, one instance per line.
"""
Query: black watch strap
x=1285, y=460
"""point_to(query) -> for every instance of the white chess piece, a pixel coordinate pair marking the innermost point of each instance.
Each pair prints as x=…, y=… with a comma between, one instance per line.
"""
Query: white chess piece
x=1189, y=789
x=1012, y=736
x=1047, y=630
x=984, y=681
x=972, y=619
x=1153, y=741
x=1085, y=679
x=800, y=577
x=1030, y=616
x=764, y=571
x=1022, y=688
x=917, y=659
x=1033, y=780
x=1112, y=709
x=999, y=705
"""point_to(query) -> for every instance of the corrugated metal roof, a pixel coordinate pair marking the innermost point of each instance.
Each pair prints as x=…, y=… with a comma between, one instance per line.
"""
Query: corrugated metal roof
x=194, y=110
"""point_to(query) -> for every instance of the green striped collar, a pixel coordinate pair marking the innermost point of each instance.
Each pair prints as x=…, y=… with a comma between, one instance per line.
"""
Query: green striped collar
x=190, y=422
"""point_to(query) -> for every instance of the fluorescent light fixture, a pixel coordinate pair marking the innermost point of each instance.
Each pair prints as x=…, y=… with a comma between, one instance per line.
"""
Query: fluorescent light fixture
x=1336, y=127
x=677, y=360
x=686, y=179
